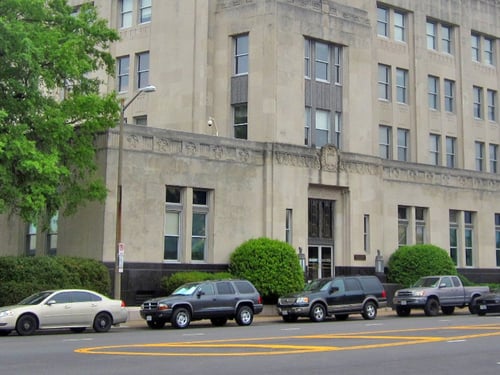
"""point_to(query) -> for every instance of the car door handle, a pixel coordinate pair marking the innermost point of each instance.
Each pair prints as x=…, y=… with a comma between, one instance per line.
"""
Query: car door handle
x=67, y=307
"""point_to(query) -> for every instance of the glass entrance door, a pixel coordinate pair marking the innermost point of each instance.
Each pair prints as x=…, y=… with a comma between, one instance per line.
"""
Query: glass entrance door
x=320, y=262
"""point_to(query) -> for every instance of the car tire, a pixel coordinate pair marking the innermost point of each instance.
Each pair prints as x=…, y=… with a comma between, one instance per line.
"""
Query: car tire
x=289, y=318
x=77, y=329
x=244, y=316
x=26, y=325
x=102, y=322
x=448, y=310
x=156, y=324
x=473, y=306
x=218, y=322
x=403, y=311
x=369, y=311
x=431, y=307
x=181, y=318
x=318, y=313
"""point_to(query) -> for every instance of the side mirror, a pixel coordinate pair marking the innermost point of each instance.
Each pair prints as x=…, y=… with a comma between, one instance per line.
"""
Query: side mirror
x=442, y=285
x=200, y=293
x=51, y=302
x=334, y=289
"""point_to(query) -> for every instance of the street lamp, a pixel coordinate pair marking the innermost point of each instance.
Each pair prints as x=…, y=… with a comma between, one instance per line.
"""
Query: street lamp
x=119, y=248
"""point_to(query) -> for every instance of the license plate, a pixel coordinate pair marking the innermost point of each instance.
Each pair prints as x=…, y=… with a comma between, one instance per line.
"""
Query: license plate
x=482, y=307
x=403, y=303
x=284, y=312
x=149, y=318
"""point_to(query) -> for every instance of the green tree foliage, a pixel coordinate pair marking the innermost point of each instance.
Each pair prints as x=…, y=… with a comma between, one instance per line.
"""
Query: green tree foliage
x=170, y=283
x=407, y=264
x=22, y=276
x=271, y=265
x=50, y=106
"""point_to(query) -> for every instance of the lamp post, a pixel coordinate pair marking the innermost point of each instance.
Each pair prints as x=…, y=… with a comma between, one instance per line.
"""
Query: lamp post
x=119, y=248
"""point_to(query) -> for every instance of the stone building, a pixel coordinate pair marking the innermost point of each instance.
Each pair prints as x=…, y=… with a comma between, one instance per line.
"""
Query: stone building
x=347, y=128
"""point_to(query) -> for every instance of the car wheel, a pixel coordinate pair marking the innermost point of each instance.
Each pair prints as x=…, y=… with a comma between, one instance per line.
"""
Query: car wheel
x=26, y=325
x=431, y=307
x=4, y=333
x=289, y=318
x=77, y=329
x=103, y=322
x=219, y=322
x=244, y=316
x=156, y=324
x=403, y=311
x=341, y=317
x=369, y=311
x=473, y=306
x=181, y=318
x=448, y=310
x=318, y=312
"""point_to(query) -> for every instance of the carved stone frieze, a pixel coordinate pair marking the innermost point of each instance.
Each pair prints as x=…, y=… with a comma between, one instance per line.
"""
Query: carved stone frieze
x=298, y=160
x=330, y=159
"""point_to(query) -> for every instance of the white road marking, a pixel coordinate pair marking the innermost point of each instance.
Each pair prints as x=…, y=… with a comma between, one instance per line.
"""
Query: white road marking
x=74, y=340
x=290, y=329
x=452, y=341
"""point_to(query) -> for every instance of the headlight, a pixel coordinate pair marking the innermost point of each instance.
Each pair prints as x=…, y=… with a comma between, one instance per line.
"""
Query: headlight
x=302, y=300
x=420, y=293
x=397, y=293
x=163, y=306
x=4, y=314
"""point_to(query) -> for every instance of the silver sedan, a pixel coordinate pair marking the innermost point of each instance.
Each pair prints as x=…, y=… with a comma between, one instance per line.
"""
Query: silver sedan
x=76, y=309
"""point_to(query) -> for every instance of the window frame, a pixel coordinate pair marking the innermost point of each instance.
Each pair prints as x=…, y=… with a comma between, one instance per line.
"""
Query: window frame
x=493, y=157
x=382, y=23
x=385, y=144
x=400, y=28
x=403, y=144
x=451, y=142
x=477, y=104
x=384, y=82
x=479, y=155
x=433, y=92
x=240, y=125
x=123, y=73
x=435, y=149
x=491, y=98
x=449, y=95
x=241, y=56
x=402, y=85
x=126, y=14
x=142, y=71
x=431, y=35
x=143, y=11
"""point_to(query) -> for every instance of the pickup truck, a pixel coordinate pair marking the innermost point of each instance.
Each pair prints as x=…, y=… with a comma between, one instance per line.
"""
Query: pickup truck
x=432, y=293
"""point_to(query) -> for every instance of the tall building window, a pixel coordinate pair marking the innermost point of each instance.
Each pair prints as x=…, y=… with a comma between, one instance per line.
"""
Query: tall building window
x=435, y=149
x=323, y=127
x=488, y=52
x=479, y=146
x=384, y=82
x=403, y=224
x=199, y=229
x=431, y=31
x=144, y=11
x=477, y=96
x=475, y=51
x=123, y=73
x=173, y=215
x=126, y=7
x=433, y=92
x=52, y=233
x=420, y=232
x=453, y=217
x=382, y=21
x=288, y=226
x=493, y=158
x=403, y=144
x=446, y=39
x=142, y=70
x=141, y=120
x=469, y=238
x=492, y=105
x=307, y=126
x=307, y=58
x=241, y=54
x=497, y=239
x=366, y=233
x=384, y=141
x=402, y=85
x=337, y=130
x=337, y=65
x=449, y=95
x=399, y=26
x=322, y=61
x=450, y=152
x=31, y=232
x=240, y=121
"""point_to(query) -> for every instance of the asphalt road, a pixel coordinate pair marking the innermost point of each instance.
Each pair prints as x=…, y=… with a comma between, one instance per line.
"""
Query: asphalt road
x=459, y=344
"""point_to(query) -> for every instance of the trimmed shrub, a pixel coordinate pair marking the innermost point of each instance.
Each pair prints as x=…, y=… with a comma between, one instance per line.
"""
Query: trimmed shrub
x=22, y=276
x=171, y=283
x=271, y=265
x=407, y=264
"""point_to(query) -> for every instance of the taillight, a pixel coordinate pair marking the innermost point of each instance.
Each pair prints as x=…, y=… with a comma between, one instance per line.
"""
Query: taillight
x=384, y=293
x=259, y=300
x=123, y=304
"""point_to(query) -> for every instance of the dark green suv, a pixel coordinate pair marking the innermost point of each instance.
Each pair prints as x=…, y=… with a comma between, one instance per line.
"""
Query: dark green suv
x=215, y=300
x=337, y=297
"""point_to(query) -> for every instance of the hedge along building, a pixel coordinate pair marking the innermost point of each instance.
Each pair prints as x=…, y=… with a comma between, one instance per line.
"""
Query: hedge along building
x=341, y=127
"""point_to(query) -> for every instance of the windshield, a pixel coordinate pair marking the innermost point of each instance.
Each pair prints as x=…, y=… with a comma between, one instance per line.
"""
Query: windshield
x=186, y=289
x=35, y=299
x=316, y=285
x=426, y=282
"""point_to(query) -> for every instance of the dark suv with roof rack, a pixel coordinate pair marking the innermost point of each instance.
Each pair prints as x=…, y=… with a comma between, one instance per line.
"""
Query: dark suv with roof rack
x=337, y=297
x=215, y=300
